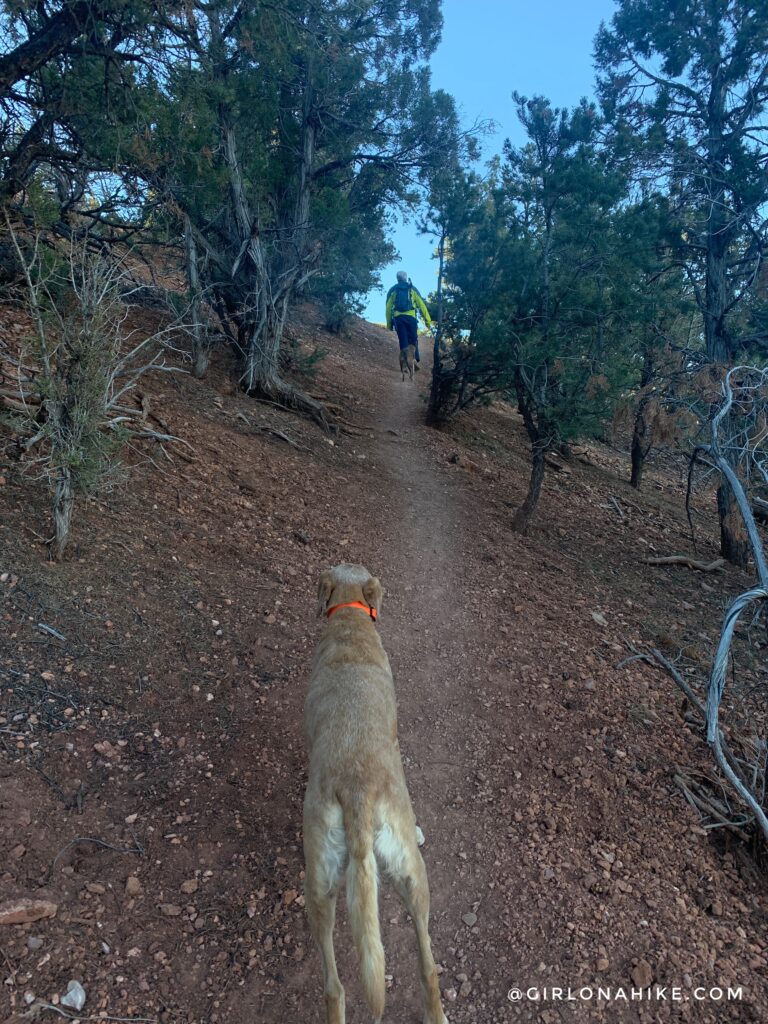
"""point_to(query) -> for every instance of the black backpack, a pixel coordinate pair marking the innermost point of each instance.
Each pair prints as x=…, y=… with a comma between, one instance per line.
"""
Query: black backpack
x=403, y=298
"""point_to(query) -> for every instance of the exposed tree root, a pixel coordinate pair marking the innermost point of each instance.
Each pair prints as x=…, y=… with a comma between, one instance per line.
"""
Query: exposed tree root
x=285, y=395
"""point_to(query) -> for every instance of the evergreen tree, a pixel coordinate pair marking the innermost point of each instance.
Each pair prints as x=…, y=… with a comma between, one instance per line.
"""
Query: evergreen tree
x=686, y=85
x=66, y=78
x=536, y=306
x=277, y=126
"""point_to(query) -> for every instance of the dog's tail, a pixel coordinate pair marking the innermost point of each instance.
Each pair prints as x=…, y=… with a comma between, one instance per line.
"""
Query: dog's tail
x=363, y=900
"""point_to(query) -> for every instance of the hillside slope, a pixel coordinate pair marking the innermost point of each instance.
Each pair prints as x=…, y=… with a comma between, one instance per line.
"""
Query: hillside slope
x=152, y=691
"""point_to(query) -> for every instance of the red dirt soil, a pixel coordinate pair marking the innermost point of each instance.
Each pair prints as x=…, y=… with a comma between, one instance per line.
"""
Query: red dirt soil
x=163, y=718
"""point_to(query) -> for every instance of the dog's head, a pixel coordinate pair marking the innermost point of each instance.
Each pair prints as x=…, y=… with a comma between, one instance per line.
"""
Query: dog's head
x=344, y=583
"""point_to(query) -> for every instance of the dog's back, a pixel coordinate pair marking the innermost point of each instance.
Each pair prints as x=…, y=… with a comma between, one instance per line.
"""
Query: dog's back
x=357, y=812
x=407, y=357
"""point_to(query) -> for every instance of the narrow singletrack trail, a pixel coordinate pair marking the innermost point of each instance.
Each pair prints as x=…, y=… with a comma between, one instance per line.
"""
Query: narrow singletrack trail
x=421, y=545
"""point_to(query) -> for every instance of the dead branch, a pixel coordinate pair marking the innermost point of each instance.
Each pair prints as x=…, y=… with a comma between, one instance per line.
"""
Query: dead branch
x=263, y=429
x=136, y=848
x=153, y=435
x=760, y=509
x=692, y=563
x=708, y=807
x=669, y=667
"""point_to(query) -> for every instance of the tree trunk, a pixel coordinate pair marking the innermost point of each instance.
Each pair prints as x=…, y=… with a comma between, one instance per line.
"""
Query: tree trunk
x=642, y=435
x=270, y=290
x=522, y=518
x=541, y=438
x=199, y=346
x=63, y=505
x=734, y=545
x=262, y=364
x=638, y=451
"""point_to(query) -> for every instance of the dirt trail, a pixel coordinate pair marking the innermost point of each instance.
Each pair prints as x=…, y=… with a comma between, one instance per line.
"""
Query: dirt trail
x=424, y=554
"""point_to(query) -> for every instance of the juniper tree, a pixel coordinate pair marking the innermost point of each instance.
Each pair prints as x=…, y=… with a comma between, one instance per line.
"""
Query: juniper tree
x=275, y=123
x=685, y=84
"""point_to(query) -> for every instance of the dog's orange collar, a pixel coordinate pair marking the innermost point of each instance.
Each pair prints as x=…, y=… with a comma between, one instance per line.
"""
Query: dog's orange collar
x=353, y=604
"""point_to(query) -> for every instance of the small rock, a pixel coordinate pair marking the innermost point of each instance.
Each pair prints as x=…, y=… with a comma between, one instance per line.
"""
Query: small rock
x=469, y=919
x=25, y=910
x=190, y=886
x=96, y=888
x=74, y=996
x=18, y=851
x=642, y=974
x=34, y=942
x=450, y=994
x=170, y=909
x=602, y=964
x=133, y=886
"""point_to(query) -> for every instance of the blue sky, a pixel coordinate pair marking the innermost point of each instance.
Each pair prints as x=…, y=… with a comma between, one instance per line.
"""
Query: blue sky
x=489, y=49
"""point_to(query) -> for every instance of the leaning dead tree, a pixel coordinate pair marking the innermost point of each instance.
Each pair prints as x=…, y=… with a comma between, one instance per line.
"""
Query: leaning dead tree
x=744, y=390
x=738, y=452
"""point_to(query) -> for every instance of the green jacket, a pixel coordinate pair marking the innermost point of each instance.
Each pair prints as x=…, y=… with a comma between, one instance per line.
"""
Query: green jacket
x=418, y=302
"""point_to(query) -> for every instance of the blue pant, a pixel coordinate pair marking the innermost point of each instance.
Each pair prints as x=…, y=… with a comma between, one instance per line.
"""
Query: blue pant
x=407, y=333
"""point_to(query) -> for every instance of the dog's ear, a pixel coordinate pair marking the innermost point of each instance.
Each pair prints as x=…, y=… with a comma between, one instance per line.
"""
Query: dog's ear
x=324, y=592
x=373, y=593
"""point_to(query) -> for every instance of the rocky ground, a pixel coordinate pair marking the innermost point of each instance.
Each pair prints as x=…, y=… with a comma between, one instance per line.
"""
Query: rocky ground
x=152, y=766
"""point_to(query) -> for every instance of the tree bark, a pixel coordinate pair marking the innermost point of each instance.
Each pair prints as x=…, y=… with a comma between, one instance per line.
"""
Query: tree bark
x=734, y=545
x=63, y=506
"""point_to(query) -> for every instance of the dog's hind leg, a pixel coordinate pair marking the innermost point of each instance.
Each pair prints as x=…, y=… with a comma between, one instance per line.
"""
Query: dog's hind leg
x=321, y=911
x=403, y=863
x=325, y=854
x=413, y=889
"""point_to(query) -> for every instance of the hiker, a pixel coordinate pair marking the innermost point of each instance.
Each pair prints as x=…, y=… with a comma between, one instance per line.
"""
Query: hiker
x=403, y=300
